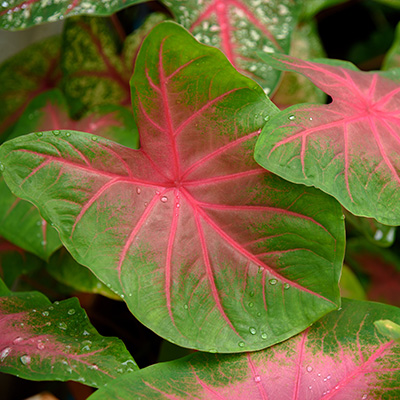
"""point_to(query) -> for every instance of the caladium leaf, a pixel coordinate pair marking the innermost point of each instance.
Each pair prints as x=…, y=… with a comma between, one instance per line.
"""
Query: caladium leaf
x=348, y=148
x=341, y=357
x=378, y=270
x=24, y=76
x=389, y=329
x=240, y=28
x=66, y=270
x=20, y=221
x=14, y=261
x=21, y=14
x=44, y=341
x=200, y=241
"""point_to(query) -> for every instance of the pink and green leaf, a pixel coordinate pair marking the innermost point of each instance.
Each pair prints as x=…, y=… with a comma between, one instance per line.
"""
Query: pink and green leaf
x=22, y=14
x=378, y=270
x=349, y=148
x=25, y=75
x=341, y=357
x=44, y=341
x=199, y=240
x=66, y=270
x=239, y=28
x=20, y=221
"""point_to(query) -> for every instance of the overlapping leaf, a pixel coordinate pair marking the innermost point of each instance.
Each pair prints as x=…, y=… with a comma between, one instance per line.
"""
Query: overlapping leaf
x=21, y=14
x=44, y=341
x=350, y=286
x=240, y=28
x=340, y=357
x=20, y=222
x=24, y=76
x=392, y=59
x=207, y=248
x=349, y=148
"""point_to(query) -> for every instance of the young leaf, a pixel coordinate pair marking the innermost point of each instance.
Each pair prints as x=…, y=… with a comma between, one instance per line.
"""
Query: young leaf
x=342, y=356
x=24, y=76
x=241, y=27
x=20, y=222
x=200, y=241
x=349, y=148
x=378, y=269
x=21, y=14
x=44, y=341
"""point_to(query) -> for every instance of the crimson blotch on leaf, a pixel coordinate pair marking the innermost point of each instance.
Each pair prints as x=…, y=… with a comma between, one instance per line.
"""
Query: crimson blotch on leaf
x=206, y=247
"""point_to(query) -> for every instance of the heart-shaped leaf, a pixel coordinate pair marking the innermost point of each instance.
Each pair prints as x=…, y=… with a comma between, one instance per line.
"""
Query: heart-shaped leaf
x=20, y=222
x=21, y=14
x=24, y=76
x=341, y=357
x=44, y=341
x=200, y=241
x=241, y=27
x=378, y=269
x=349, y=148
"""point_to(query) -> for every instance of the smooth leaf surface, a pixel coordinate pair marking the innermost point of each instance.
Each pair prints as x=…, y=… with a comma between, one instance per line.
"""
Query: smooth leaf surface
x=20, y=222
x=349, y=148
x=378, y=270
x=241, y=27
x=66, y=270
x=25, y=75
x=350, y=286
x=21, y=14
x=207, y=248
x=341, y=357
x=14, y=262
x=311, y=8
x=44, y=341
x=392, y=58
x=389, y=329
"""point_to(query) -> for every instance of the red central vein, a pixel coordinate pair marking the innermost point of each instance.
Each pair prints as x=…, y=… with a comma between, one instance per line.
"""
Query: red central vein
x=167, y=110
x=221, y=10
x=361, y=368
x=256, y=378
x=235, y=245
x=217, y=179
x=209, y=270
x=300, y=351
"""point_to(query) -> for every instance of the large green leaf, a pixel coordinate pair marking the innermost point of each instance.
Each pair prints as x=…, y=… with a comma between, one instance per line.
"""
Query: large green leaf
x=21, y=14
x=24, y=76
x=241, y=27
x=341, y=357
x=207, y=248
x=44, y=341
x=349, y=148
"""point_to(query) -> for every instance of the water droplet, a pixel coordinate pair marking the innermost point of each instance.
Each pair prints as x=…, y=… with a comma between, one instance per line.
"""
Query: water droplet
x=85, y=333
x=177, y=205
x=286, y=286
x=328, y=377
x=45, y=313
x=267, y=118
x=56, y=303
x=264, y=336
x=145, y=203
x=4, y=353
x=273, y=281
x=311, y=119
x=67, y=134
x=39, y=134
x=364, y=397
x=164, y=199
x=257, y=378
x=258, y=314
x=185, y=306
x=310, y=387
x=241, y=344
x=17, y=340
x=62, y=325
x=51, y=308
x=2, y=168
x=212, y=350
x=252, y=330
x=94, y=138
x=48, y=323
x=40, y=346
x=71, y=311
x=94, y=366
x=337, y=387
x=252, y=293
x=309, y=368
x=260, y=270
x=251, y=304
x=25, y=359
x=291, y=117
x=56, y=133
x=138, y=190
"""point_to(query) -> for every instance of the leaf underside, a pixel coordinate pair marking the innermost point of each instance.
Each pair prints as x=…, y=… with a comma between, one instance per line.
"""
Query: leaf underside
x=207, y=248
x=349, y=148
x=341, y=357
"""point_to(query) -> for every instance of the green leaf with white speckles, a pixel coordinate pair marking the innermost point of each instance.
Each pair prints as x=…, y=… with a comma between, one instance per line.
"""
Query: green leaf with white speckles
x=44, y=341
x=342, y=356
x=240, y=28
x=21, y=14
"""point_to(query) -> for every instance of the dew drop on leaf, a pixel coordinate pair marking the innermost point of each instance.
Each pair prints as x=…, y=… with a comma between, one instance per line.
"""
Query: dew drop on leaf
x=251, y=304
x=94, y=138
x=185, y=306
x=164, y=199
x=25, y=359
x=252, y=330
x=4, y=353
x=364, y=397
x=273, y=281
x=2, y=168
x=62, y=325
x=257, y=378
x=241, y=344
x=68, y=134
x=267, y=118
x=40, y=346
x=17, y=340
x=138, y=190
x=309, y=368
x=252, y=293
x=264, y=336
x=71, y=311
x=291, y=117
x=213, y=350
x=45, y=313
x=56, y=133
x=39, y=134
